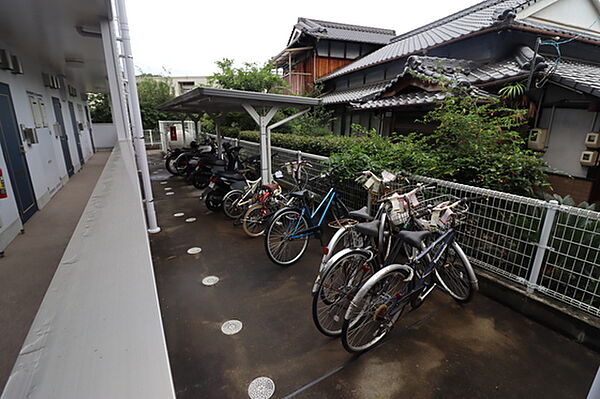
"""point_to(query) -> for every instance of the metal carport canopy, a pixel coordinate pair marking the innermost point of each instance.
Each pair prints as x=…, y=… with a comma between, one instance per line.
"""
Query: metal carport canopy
x=260, y=106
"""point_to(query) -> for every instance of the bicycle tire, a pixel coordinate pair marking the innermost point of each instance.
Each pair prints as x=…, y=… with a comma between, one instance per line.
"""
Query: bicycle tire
x=276, y=231
x=453, y=277
x=370, y=307
x=253, y=220
x=330, y=302
x=230, y=208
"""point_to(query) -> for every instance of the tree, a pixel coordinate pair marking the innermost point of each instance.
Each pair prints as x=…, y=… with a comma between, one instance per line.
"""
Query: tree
x=99, y=104
x=152, y=92
x=250, y=77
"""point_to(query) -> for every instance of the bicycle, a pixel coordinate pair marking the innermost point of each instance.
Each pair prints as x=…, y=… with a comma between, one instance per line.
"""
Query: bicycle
x=268, y=201
x=381, y=300
x=288, y=233
x=345, y=273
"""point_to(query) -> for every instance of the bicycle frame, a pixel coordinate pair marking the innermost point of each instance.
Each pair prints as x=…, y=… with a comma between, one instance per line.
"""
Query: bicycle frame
x=325, y=203
x=403, y=296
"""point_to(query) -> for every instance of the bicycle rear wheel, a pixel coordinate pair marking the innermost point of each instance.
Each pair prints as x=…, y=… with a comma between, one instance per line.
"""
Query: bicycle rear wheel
x=280, y=244
x=253, y=221
x=230, y=201
x=374, y=310
x=337, y=287
x=454, y=274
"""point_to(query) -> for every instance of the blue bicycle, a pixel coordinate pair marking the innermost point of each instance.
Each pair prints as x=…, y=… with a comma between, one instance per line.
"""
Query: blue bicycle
x=289, y=230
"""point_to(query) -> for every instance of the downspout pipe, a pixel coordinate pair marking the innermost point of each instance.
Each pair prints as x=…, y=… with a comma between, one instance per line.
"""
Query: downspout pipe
x=136, y=117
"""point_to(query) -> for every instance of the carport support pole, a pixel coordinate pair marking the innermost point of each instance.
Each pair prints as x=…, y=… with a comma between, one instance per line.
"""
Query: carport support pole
x=265, y=140
x=137, y=129
x=217, y=120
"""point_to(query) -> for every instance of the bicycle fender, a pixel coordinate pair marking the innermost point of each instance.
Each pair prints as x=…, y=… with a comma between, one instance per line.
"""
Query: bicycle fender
x=469, y=267
x=373, y=280
x=324, y=268
x=331, y=244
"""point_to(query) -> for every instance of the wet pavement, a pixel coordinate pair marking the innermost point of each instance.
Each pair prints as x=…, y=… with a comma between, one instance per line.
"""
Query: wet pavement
x=441, y=350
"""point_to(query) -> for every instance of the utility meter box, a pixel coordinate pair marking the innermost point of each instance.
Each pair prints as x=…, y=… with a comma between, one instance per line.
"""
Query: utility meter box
x=589, y=158
x=592, y=140
x=538, y=138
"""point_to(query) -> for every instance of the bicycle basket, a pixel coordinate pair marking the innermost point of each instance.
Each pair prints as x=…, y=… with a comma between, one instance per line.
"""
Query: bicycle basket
x=436, y=212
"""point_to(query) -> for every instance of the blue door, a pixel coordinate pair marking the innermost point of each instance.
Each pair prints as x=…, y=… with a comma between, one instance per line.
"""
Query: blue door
x=64, y=139
x=14, y=155
x=76, y=132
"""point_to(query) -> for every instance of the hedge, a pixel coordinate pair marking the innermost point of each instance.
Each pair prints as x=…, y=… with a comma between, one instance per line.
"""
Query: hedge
x=321, y=145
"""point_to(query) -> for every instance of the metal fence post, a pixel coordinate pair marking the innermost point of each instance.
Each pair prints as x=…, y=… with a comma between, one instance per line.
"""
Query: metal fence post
x=299, y=156
x=542, y=245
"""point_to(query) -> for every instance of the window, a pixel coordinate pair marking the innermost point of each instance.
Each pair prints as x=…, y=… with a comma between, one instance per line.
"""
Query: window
x=352, y=50
x=337, y=50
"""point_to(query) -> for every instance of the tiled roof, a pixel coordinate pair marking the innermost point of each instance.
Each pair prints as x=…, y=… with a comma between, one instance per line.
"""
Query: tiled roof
x=579, y=76
x=417, y=98
x=479, y=17
x=346, y=32
x=353, y=94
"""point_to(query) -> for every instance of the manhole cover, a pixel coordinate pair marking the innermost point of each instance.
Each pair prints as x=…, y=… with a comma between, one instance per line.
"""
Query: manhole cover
x=231, y=327
x=163, y=182
x=190, y=220
x=194, y=250
x=178, y=214
x=170, y=193
x=168, y=189
x=210, y=280
x=261, y=388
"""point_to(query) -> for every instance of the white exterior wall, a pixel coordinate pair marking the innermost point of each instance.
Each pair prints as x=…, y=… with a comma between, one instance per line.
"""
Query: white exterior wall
x=45, y=159
x=105, y=135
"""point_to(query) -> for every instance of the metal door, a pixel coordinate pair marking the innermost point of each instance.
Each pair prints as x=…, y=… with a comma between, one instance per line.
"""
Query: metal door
x=76, y=131
x=14, y=155
x=89, y=121
x=64, y=139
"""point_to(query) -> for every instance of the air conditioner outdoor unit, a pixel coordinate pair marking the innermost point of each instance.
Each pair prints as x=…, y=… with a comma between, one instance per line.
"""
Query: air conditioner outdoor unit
x=589, y=158
x=592, y=140
x=538, y=138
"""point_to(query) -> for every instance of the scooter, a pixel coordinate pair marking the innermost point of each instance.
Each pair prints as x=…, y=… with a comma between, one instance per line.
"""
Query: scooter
x=223, y=182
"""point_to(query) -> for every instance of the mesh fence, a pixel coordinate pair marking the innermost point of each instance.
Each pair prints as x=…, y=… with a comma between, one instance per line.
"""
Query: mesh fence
x=502, y=234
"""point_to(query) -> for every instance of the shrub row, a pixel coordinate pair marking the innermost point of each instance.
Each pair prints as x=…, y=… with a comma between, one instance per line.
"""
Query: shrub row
x=322, y=145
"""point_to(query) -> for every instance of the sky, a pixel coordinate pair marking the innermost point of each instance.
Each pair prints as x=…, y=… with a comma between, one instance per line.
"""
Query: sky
x=186, y=37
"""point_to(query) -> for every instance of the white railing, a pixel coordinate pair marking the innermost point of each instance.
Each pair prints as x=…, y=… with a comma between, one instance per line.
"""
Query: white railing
x=545, y=247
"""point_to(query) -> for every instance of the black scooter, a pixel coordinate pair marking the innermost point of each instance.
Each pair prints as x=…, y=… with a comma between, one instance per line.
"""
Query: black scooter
x=223, y=182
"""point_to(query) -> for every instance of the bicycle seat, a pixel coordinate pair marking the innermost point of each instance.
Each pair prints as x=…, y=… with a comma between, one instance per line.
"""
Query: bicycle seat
x=369, y=228
x=361, y=214
x=271, y=187
x=414, y=238
x=299, y=194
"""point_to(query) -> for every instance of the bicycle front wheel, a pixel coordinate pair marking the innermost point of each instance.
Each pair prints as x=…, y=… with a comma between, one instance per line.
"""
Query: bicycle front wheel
x=230, y=204
x=283, y=244
x=337, y=287
x=253, y=221
x=374, y=310
x=454, y=273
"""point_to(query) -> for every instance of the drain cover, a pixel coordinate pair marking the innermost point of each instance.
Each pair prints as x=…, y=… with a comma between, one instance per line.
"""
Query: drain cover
x=210, y=280
x=190, y=220
x=261, y=388
x=231, y=327
x=163, y=182
x=168, y=189
x=178, y=214
x=194, y=250
x=170, y=193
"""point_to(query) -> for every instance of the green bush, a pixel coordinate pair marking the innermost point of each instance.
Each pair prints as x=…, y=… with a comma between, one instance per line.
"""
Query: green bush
x=321, y=145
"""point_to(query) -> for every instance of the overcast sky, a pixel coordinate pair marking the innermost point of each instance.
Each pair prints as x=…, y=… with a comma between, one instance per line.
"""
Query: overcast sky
x=186, y=37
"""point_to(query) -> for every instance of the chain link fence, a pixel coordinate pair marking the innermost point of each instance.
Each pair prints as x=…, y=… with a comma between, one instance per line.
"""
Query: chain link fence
x=549, y=248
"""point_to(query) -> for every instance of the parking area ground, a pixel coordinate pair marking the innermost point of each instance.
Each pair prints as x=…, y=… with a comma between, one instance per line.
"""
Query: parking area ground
x=441, y=350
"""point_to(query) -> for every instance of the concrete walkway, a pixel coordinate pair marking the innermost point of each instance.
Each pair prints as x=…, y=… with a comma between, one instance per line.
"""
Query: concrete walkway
x=441, y=350
x=32, y=258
